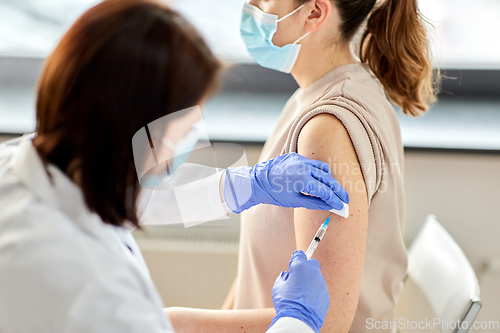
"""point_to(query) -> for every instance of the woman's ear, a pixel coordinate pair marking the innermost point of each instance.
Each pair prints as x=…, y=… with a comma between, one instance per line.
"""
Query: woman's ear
x=319, y=11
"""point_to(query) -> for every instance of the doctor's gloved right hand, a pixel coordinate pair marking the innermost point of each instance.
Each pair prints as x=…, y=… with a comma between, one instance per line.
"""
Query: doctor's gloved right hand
x=302, y=292
x=282, y=181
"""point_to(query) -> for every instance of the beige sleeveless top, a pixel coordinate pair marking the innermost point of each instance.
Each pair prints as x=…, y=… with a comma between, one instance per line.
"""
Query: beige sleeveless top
x=354, y=95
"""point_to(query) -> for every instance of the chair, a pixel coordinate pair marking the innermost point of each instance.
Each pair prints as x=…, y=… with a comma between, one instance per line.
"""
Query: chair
x=441, y=270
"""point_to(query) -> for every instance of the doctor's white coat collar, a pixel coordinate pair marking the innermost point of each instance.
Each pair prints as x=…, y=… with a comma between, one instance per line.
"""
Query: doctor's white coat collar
x=54, y=188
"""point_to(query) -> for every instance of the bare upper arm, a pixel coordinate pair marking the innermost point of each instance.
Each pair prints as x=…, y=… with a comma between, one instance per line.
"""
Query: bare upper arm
x=342, y=250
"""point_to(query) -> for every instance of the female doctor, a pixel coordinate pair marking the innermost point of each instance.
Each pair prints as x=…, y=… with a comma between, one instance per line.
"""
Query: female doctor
x=67, y=263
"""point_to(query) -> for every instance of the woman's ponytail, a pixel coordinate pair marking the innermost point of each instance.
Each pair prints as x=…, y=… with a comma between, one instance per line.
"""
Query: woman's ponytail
x=396, y=47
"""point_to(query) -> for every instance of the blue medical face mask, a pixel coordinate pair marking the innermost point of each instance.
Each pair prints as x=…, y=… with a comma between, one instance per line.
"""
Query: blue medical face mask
x=181, y=151
x=257, y=29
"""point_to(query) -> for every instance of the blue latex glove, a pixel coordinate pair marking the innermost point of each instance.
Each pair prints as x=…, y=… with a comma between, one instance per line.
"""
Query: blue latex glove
x=280, y=182
x=302, y=292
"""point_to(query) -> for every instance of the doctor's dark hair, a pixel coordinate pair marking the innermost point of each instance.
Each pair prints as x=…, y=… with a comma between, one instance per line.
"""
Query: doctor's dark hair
x=395, y=46
x=122, y=65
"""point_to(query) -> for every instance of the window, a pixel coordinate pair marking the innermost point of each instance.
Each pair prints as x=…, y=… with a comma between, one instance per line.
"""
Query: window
x=465, y=32
x=465, y=43
x=464, y=36
x=33, y=27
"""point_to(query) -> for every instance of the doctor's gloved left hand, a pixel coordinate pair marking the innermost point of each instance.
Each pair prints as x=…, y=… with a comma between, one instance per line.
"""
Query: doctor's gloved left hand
x=302, y=292
x=282, y=182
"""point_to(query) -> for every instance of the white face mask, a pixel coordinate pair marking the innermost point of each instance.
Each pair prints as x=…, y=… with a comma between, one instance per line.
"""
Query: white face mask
x=257, y=29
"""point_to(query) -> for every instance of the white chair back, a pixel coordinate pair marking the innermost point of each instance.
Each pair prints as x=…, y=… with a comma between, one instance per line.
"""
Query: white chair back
x=441, y=270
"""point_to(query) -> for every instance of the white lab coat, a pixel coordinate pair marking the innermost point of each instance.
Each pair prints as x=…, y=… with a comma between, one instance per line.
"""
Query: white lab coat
x=61, y=268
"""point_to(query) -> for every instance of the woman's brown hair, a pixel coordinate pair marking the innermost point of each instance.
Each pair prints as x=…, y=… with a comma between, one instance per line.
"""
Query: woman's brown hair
x=396, y=47
x=123, y=64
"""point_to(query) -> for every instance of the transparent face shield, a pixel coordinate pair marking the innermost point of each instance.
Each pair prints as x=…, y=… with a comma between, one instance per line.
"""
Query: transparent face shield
x=174, y=157
x=162, y=146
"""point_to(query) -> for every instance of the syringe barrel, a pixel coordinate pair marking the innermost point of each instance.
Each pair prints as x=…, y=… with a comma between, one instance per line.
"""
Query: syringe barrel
x=310, y=250
x=321, y=232
x=314, y=244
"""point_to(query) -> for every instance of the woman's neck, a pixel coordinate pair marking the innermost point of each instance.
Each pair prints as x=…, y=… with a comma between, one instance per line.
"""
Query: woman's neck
x=312, y=64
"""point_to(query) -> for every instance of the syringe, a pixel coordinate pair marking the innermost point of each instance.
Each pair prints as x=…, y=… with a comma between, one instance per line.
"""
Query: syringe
x=317, y=238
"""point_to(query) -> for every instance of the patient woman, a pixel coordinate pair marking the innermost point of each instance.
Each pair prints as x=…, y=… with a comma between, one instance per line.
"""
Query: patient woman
x=342, y=114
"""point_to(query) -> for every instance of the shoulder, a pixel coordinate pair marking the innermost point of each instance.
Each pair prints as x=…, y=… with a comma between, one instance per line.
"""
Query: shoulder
x=352, y=122
x=7, y=151
x=359, y=90
x=361, y=83
x=325, y=137
x=323, y=132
